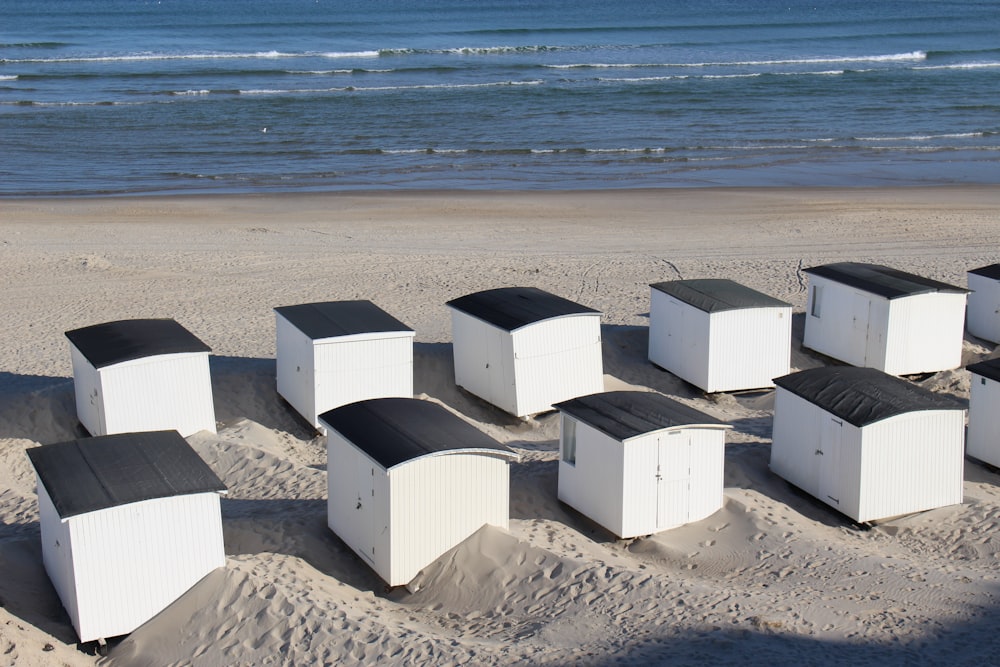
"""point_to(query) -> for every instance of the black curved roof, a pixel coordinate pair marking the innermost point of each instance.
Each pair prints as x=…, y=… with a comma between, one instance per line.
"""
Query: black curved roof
x=882, y=280
x=92, y=474
x=511, y=308
x=988, y=369
x=626, y=414
x=862, y=396
x=114, y=342
x=396, y=430
x=329, y=319
x=714, y=295
x=991, y=271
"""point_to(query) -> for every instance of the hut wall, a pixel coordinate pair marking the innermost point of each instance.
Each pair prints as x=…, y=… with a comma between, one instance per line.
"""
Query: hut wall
x=925, y=333
x=983, y=316
x=984, y=420
x=594, y=485
x=132, y=561
x=910, y=463
x=556, y=360
x=170, y=391
x=438, y=501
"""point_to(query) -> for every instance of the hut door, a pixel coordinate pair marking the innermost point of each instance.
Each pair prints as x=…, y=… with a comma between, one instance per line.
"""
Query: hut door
x=673, y=479
x=496, y=373
x=365, y=516
x=860, y=315
x=829, y=461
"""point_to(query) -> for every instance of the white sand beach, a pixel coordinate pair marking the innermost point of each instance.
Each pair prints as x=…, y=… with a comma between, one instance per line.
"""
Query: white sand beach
x=772, y=578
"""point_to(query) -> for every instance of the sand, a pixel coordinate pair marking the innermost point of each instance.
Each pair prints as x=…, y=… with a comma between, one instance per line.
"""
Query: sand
x=773, y=577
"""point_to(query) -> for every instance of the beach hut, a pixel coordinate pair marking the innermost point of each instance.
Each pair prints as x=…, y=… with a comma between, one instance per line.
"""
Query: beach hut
x=983, y=317
x=129, y=523
x=719, y=335
x=638, y=462
x=983, y=439
x=141, y=375
x=338, y=352
x=523, y=349
x=868, y=444
x=408, y=480
x=879, y=317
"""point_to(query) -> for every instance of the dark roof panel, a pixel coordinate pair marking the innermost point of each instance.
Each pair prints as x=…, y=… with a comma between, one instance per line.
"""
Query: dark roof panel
x=714, y=295
x=862, y=396
x=340, y=318
x=882, y=280
x=511, y=308
x=92, y=474
x=992, y=271
x=988, y=369
x=114, y=342
x=626, y=414
x=397, y=430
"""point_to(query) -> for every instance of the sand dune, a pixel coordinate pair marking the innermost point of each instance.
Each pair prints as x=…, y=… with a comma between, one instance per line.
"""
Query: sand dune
x=773, y=577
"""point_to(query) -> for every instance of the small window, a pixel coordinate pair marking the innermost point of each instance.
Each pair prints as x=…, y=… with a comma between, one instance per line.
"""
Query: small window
x=569, y=440
x=815, y=293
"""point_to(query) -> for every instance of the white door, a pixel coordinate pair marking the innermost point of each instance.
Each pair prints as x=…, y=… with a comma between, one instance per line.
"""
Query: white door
x=860, y=315
x=496, y=371
x=828, y=461
x=365, y=507
x=673, y=475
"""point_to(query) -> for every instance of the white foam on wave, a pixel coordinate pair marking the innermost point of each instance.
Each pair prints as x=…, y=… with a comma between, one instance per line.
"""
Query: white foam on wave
x=362, y=89
x=925, y=137
x=984, y=65
x=351, y=54
x=894, y=57
x=8, y=77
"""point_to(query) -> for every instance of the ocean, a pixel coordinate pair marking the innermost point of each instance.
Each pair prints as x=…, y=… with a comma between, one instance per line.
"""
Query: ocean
x=107, y=97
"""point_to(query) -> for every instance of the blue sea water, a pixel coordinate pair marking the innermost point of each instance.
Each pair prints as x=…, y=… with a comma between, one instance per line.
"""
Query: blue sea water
x=134, y=96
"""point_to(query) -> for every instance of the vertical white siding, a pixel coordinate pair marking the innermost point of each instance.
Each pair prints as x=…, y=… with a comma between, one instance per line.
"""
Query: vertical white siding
x=437, y=502
x=708, y=455
x=295, y=368
x=910, y=463
x=640, y=486
x=984, y=420
x=132, y=561
x=595, y=485
x=57, y=554
x=679, y=338
x=89, y=394
x=749, y=347
x=984, y=308
x=795, y=439
x=351, y=506
x=355, y=369
x=170, y=391
x=484, y=363
x=925, y=333
x=556, y=360
x=847, y=326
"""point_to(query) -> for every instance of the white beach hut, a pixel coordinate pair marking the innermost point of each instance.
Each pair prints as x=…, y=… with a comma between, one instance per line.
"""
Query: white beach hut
x=638, y=462
x=878, y=317
x=338, y=352
x=408, y=480
x=141, y=375
x=129, y=523
x=983, y=316
x=719, y=335
x=524, y=349
x=983, y=439
x=868, y=444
